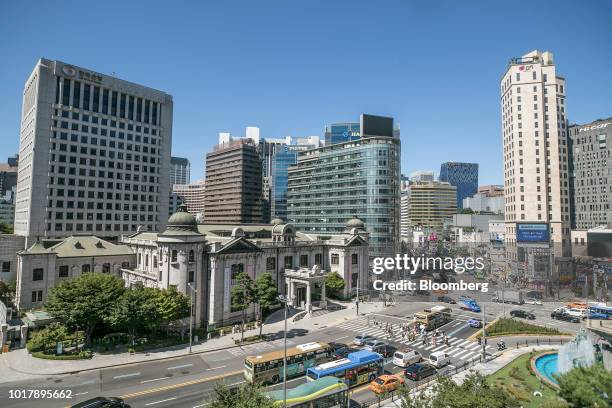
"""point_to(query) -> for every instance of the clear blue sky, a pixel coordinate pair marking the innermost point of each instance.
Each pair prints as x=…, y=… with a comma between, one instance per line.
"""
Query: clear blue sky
x=290, y=67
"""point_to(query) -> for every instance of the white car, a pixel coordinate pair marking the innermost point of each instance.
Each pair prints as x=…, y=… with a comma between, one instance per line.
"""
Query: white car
x=581, y=313
x=532, y=301
x=406, y=357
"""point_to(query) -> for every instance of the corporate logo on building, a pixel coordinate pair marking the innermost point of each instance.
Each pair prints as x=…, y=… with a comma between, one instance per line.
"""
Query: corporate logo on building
x=86, y=76
x=594, y=127
x=525, y=67
x=69, y=70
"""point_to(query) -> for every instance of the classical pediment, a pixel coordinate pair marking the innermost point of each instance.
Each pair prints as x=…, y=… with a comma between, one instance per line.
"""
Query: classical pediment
x=238, y=245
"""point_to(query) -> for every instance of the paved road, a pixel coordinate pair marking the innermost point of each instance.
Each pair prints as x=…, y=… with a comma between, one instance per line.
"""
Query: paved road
x=187, y=381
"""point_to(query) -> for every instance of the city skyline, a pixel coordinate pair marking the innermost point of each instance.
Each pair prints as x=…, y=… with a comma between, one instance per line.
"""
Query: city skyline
x=293, y=92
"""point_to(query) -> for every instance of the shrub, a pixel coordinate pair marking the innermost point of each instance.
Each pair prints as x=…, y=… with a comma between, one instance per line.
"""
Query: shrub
x=82, y=355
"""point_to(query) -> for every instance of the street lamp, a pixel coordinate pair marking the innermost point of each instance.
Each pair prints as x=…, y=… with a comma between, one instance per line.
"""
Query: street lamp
x=285, y=300
x=193, y=292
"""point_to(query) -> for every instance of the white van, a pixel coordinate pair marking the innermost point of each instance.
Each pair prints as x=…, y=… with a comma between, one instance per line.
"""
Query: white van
x=439, y=359
x=406, y=357
x=581, y=313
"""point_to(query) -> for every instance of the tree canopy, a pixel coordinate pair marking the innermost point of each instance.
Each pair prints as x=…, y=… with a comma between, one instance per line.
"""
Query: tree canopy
x=245, y=396
x=334, y=284
x=587, y=386
x=135, y=310
x=85, y=301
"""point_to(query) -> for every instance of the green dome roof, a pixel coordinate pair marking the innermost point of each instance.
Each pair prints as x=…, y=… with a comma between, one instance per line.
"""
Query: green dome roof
x=355, y=223
x=278, y=221
x=182, y=220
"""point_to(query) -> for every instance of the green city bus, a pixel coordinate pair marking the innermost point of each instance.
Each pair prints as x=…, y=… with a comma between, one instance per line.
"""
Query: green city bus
x=326, y=392
x=267, y=368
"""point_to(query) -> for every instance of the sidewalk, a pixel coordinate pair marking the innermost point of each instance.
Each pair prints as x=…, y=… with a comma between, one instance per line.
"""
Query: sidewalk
x=20, y=365
x=486, y=368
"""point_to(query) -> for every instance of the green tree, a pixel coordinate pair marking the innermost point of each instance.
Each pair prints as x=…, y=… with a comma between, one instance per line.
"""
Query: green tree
x=171, y=305
x=587, y=386
x=243, y=295
x=136, y=310
x=466, y=211
x=266, y=295
x=245, y=396
x=47, y=337
x=334, y=284
x=6, y=228
x=86, y=301
x=474, y=392
x=7, y=292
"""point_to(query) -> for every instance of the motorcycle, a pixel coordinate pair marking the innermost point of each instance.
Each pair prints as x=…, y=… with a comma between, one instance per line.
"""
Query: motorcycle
x=501, y=346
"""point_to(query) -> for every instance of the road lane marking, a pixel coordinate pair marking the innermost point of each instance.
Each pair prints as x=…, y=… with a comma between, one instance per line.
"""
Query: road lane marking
x=180, y=366
x=215, y=368
x=159, y=402
x=155, y=379
x=185, y=384
x=86, y=382
x=340, y=338
x=81, y=393
x=126, y=375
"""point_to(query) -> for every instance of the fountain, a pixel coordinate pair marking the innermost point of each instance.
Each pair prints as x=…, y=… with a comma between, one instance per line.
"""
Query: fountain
x=577, y=353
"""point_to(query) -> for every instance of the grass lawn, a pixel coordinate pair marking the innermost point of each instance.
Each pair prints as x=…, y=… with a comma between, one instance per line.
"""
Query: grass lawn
x=521, y=383
x=505, y=326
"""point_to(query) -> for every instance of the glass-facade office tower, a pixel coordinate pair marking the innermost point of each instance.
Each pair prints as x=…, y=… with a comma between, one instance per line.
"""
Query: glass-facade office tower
x=94, y=154
x=180, y=171
x=361, y=178
x=464, y=176
x=342, y=132
x=590, y=174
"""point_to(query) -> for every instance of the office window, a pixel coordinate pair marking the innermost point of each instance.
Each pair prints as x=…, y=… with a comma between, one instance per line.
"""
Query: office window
x=270, y=264
x=63, y=271
x=37, y=274
x=106, y=268
x=304, y=260
x=288, y=262
x=76, y=98
x=354, y=259
x=191, y=276
x=86, y=96
x=66, y=92
x=191, y=256
x=105, y=101
x=335, y=259
x=85, y=268
x=319, y=259
x=236, y=270
x=96, y=100
x=6, y=266
x=33, y=296
x=173, y=257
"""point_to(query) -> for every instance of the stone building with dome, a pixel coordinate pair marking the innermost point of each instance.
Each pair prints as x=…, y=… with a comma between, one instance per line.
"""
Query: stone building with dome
x=203, y=260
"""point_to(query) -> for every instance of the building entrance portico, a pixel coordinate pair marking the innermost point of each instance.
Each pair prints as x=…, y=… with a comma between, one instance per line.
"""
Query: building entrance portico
x=300, y=283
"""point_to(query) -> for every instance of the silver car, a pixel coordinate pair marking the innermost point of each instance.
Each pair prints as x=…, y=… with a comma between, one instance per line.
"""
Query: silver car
x=362, y=340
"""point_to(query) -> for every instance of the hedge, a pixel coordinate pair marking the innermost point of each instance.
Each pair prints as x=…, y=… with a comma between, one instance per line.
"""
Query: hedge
x=82, y=355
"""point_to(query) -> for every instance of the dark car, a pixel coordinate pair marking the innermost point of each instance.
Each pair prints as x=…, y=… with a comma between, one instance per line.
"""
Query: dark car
x=523, y=314
x=418, y=371
x=102, y=402
x=446, y=299
x=562, y=315
x=342, y=352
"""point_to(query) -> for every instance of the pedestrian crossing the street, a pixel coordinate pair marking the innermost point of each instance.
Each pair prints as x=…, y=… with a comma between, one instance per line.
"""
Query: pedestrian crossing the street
x=459, y=348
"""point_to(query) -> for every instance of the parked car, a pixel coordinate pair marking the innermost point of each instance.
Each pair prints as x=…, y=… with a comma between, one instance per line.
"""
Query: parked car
x=102, y=402
x=476, y=323
x=361, y=340
x=580, y=313
x=523, y=314
x=446, y=299
x=406, y=357
x=563, y=315
x=439, y=359
x=418, y=371
x=533, y=301
x=386, y=383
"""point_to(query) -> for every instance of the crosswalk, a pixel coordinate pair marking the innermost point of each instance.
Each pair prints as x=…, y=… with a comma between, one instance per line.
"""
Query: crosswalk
x=459, y=348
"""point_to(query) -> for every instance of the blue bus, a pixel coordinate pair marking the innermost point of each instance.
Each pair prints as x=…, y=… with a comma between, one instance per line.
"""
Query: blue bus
x=470, y=305
x=357, y=368
x=602, y=312
x=324, y=392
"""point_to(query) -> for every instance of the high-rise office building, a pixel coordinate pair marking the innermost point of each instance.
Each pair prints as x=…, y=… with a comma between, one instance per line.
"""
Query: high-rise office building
x=591, y=174
x=405, y=213
x=333, y=184
x=342, y=132
x=464, y=176
x=8, y=175
x=536, y=177
x=430, y=203
x=233, y=193
x=422, y=176
x=491, y=190
x=192, y=195
x=180, y=171
x=94, y=154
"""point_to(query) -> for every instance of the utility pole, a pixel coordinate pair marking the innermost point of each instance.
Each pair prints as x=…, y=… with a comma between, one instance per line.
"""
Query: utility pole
x=193, y=291
x=285, y=300
x=484, y=339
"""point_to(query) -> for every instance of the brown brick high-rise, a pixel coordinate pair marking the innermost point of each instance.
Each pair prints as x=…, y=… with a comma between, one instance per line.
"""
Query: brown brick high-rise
x=233, y=184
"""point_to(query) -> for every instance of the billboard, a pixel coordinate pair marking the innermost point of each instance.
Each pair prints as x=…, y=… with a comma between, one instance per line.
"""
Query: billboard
x=372, y=125
x=532, y=233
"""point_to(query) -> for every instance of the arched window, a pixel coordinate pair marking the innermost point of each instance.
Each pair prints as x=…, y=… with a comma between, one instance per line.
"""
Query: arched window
x=173, y=257
x=191, y=256
x=155, y=261
x=139, y=259
x=146, y=261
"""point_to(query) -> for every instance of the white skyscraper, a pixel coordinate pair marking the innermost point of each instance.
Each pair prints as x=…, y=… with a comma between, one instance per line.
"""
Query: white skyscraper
x=534, y=129
x=94, y=154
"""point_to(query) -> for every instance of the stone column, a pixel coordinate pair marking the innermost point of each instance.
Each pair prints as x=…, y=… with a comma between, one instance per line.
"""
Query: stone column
x=308, y=300
x=323, y=304
x=291, y=293
x=24, y=336
x=3, y=335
